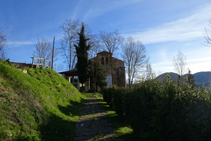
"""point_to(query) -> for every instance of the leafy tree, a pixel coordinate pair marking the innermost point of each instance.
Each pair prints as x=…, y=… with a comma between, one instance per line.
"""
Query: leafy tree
x=97, y=74
x=70, y=29
x=81, y=50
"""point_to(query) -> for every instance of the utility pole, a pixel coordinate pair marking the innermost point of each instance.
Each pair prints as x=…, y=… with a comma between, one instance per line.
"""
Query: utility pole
x=53, y=52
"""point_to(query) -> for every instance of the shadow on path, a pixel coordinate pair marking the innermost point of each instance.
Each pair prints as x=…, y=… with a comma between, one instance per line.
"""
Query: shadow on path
x=93, y=123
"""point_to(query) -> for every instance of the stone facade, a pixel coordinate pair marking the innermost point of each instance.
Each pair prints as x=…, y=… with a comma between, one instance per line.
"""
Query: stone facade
x=117, y=73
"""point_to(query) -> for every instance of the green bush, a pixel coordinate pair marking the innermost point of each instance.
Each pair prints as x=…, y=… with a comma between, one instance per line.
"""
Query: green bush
x=105, y=92
x=117, y=100
x=164, y=111
x=107, y=95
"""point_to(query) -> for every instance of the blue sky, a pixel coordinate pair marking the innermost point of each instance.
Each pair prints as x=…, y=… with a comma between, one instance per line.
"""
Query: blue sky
x=163, y=26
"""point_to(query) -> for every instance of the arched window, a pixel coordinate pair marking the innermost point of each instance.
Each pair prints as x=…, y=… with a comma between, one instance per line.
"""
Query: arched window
x=106, y=60
x=102, y=60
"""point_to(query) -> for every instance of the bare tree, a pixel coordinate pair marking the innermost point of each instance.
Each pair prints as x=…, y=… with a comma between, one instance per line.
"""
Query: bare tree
x=179, y=62
x=110, y=42
x=43, y=49
x=135, y=58
x=207, y=35
x=2, y=45
x=149, y=73
x=70, y=30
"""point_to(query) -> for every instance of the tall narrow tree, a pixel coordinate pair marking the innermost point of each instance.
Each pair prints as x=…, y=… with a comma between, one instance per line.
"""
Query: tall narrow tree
x=81, y=50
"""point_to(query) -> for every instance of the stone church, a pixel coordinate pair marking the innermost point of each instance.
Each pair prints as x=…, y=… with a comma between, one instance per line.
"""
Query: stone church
x=116, y=74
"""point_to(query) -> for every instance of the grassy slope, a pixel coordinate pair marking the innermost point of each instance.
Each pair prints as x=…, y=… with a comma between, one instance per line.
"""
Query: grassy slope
x=40, y=105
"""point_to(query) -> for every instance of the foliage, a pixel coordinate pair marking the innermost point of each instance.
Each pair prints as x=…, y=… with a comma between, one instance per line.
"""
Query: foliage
x=164, y=111
x=190, y=79
x=97, y=74
x=40, y=105
x=82, y=55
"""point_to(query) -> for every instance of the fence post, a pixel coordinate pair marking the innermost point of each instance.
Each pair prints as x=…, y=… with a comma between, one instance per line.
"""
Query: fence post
x=32, y=61
x=44, y=63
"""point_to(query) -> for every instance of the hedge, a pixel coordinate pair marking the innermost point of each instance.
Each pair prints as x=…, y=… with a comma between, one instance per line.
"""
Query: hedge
x=163, y=111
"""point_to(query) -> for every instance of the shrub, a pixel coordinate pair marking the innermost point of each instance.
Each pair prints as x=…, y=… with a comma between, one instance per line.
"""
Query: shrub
x=163, y=111
x=117, y=100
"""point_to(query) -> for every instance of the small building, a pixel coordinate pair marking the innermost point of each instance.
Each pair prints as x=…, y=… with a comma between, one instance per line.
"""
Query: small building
x=115, y=71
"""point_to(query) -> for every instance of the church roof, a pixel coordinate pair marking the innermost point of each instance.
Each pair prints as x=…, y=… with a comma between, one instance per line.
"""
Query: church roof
x=103, y=52
x=70, y=72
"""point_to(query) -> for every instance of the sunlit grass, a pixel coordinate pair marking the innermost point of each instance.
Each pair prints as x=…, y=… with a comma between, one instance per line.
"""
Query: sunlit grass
x=40, y=105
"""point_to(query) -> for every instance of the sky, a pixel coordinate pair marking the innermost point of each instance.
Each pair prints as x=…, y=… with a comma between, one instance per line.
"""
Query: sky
x=163, y=26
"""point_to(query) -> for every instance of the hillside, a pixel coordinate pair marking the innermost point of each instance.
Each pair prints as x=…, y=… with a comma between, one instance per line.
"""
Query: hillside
x=200, y=77
x=39, y=105
x=173, y=76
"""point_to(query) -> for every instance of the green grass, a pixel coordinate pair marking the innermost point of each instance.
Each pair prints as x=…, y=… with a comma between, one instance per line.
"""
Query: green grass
x=123, y=130
x=40, y=105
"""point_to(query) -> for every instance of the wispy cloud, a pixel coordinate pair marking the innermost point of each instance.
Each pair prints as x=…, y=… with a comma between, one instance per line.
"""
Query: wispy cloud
x=99, y=8
x=20, y=43
x=75, y=13
x=184, y=29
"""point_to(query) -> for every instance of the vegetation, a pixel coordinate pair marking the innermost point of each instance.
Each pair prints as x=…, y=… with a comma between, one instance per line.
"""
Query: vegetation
x=40, y=105
x=123, y=131
x=97, y=75
x=163, y=110
x=82, y=55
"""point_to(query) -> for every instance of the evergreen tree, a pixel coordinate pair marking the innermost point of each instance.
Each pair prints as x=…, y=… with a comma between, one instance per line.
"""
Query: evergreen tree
x=97, y=75
x=191, y=80
x=82, y=55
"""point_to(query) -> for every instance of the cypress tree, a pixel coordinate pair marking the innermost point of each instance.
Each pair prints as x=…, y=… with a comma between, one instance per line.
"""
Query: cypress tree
x=81, y=50
x=191, y=80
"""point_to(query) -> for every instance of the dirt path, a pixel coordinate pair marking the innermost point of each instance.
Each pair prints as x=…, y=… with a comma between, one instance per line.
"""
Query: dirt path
x=92, y=124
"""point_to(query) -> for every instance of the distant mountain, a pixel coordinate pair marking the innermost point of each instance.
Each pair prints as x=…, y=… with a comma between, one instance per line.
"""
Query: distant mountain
x=173, y=76
x=200, y=77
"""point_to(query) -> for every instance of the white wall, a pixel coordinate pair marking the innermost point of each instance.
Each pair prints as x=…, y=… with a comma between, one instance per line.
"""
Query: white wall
x=109, y=80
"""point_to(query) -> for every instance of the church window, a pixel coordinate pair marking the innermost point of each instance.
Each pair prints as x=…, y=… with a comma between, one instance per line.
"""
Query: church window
x=106, y=60
x=102, y=60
